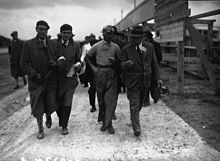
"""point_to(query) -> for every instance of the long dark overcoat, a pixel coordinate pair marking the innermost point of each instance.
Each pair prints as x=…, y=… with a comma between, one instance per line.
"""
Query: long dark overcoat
x=35, y=59
x=72, y=54
x=15, y=50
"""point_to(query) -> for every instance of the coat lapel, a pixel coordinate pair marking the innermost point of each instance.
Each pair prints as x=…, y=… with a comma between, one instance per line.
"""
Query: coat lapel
x=135, y=55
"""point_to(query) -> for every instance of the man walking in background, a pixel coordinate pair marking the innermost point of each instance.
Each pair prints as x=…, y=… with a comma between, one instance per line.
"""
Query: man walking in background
x=148, y=37
x=15, y=50
x=89, y=76
x=37, y=61
x=85, y=48
x=138, y=62
x=107, y=56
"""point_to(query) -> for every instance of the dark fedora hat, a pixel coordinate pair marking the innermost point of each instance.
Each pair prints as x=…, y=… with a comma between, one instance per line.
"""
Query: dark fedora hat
x=137, y=31
x=65, y=27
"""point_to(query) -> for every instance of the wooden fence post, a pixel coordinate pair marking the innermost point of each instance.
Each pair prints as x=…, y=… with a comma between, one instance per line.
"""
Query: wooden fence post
x=180, y=67
x=197, y=40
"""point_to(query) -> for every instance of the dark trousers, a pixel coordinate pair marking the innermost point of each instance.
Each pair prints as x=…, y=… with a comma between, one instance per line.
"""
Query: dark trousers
x=136, y=96
x=92, y=93
x=107, y=93
x=120, y=84
x=64, y=109
x=63, y=113
x=147, y=99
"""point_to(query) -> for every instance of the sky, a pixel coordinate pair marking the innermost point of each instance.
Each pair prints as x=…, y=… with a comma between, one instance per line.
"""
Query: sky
x=85, y=16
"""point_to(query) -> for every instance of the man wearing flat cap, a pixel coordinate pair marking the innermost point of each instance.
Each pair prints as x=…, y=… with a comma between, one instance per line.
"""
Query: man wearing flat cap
x=138, y=62
x=69, y=64
x=15, y=50
x=37, y=61
x=107, y=56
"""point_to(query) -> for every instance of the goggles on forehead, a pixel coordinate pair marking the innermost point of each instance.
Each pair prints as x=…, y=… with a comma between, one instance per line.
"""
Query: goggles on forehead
x=108, y=29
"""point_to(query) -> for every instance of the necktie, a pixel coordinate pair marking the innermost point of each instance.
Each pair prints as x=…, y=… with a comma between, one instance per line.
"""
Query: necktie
x=65, y=43
x=138, y=49
x=44, y=43
x=139, y=53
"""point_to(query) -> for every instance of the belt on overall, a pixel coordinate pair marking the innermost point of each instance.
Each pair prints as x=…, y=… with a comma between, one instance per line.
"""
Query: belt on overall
x=104, y=66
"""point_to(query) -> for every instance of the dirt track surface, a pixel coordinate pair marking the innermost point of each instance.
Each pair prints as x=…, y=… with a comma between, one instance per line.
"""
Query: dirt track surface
x=165, y=136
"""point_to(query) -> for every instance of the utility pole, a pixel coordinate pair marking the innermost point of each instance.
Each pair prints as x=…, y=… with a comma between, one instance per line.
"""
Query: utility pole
x=134, y=3
x=121, y=14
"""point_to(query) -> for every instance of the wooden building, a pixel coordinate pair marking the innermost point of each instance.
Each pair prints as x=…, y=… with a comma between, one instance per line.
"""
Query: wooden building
x=186, y=46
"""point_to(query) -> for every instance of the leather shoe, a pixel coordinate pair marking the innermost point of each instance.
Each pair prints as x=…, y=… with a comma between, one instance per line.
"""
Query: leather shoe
x=137, y=132
x=103, y=128
x=64, y=131
x=40, y=135
x=16, y=87
x=111, y=130
x=114, y=117
x=48, y=121
x=93, y=109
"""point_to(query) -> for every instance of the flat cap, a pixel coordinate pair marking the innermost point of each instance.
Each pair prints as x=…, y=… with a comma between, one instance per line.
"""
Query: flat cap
x=44, y=23
x=65, y=27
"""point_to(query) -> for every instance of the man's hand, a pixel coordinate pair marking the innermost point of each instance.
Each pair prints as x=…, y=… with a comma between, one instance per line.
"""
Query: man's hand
x=61, y=61
x=53, y=64
x=78, y=67
x=129, y=63
x=159, y=83
x=94, y=69
x=112, y=60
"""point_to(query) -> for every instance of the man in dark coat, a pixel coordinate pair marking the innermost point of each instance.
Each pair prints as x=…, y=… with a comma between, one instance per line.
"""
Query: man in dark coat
x=116, y=39
x=69, y=63
x=138, y=62
x=107, y=56
x=89, y=76
x=148, y=37
x=38, y=57
x=15, y=50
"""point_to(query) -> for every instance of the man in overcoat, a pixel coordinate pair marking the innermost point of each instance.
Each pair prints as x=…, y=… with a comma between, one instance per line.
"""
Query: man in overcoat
x=15, y=50
x=107, y=55
x=138, y=61
x=69, y=63
x=38, y=57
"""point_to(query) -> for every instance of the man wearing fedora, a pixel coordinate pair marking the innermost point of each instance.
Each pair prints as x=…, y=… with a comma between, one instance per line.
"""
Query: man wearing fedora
x=107, y=55
x=138, y=62
x=89, y=76
x=38, y=57
x=68, y=64
x=15, y=50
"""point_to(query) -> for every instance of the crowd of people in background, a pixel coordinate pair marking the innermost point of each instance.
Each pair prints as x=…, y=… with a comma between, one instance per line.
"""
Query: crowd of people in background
x=107, y=66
